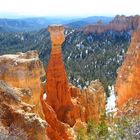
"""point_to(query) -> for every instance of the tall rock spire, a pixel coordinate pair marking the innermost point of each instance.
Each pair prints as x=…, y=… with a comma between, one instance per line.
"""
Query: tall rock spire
x=58, y=95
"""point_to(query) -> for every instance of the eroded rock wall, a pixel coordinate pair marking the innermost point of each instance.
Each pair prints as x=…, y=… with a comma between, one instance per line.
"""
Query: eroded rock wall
x=128, y=80
x=90, y=100
x=119, y=23
x=23, y=70
x=18, y=119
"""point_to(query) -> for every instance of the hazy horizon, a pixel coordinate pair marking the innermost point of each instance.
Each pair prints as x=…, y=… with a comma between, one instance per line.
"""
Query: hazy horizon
x=67, y=8
x=15, y=16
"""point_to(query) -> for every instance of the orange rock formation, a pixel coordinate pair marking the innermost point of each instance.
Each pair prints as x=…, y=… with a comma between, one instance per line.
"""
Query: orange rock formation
x=58, y=95
x=23, y=70
x=56, y=129
x=90, y=101
x=128, y=79
x=18, y=120
x=119, y=23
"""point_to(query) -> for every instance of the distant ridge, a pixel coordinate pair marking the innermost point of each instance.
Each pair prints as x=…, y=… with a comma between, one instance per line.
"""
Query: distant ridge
x=118, y=23
x=30, y=24
x=36, y=23
x=89, y=20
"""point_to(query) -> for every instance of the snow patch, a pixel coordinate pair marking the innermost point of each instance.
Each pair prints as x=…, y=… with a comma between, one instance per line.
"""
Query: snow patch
x=44, y=96
x=111, y=104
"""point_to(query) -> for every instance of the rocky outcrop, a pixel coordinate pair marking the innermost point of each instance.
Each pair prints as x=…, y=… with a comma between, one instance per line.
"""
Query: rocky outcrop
x=18, y=119
x=119, y=23
x=93, y=99
x=56, y=129
x=123, y=23
x=127, y=84
x=90, y=100
x=23, y=70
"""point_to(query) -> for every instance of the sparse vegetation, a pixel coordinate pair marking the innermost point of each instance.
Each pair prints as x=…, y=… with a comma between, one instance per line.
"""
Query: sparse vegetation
x=118, y=128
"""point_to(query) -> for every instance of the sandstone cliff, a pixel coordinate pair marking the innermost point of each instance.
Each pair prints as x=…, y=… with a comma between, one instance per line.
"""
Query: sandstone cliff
x=17, y=118
x=23, y=70
x=128, y=80
x=119, y=23
x=20, y=99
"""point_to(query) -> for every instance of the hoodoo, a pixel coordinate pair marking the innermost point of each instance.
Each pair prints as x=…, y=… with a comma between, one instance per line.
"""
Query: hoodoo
x=58, y=95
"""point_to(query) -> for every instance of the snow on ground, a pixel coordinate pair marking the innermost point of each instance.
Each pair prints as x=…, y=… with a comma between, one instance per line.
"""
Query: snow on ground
x=44, y=96
x=111, y=104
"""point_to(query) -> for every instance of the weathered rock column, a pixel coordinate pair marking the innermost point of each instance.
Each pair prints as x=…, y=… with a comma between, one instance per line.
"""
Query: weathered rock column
x=58, y=95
